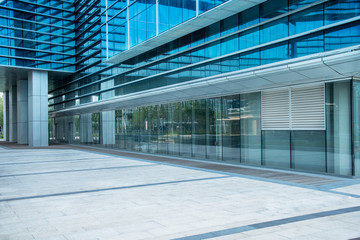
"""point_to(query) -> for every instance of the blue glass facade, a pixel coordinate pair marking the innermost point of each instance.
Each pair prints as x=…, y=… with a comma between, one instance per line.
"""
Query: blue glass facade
x=37, y=35
x=220, y=48
x=81, y=37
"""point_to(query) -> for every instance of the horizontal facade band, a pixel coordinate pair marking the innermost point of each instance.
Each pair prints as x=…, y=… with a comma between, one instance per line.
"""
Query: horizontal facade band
x=207, y=61
x=337, y=64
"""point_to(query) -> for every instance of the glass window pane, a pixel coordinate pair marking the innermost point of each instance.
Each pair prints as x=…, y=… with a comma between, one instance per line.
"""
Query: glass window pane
x=276, y=148
x=153, y=125
x=119, y=129
x=173, y=128
x=307, y=45
x=250, y=128
x=214, y=139
x=144, y=129
x=343, y=36
x=231, y=128
x=96, y=127
x=356, y=126
x=308, y=150
x=338, y=128
x=270, y=9
x=306, y=20
x=337, y=10
x=163, y=124
x=128, y=129
x=186, y=129
x=274, y=54
x=199, y=129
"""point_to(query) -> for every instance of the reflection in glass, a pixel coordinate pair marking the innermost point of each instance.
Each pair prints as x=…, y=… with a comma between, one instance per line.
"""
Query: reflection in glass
x=276, y=148
x=173, y=127
x=186, y=129
x=144, y=130
x=250, y=128
x=356, y=126
x=95, y=117
x=230, y=123
x=308, y=150
x=119, y=130
x=163, y=129
x=214, y=136
x=338, y=127
x=199, y=129
x=153, y=124
x=343, y=36
x=168, y=9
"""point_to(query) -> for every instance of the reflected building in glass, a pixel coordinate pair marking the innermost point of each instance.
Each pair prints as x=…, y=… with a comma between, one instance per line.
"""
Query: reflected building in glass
x=271, y=83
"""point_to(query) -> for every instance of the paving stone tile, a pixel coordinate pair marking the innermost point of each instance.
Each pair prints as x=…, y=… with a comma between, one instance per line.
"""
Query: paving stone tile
x=69, y=200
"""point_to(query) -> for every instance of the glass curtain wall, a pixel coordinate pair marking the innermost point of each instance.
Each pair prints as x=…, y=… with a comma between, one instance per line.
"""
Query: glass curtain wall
x=338, y=124
x=153, y=128
x=199, y=129
x=186, y=127
x=356, y=126
x=308, y=150
x=229, y=129
x=250, y=128
x=173, y=128
x=95, y=127
x=214, y=136
x=163, y=129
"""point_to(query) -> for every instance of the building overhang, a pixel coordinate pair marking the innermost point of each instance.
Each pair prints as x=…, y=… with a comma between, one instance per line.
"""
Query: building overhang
x=321, y=67
x=10, y=74
x=207, y=18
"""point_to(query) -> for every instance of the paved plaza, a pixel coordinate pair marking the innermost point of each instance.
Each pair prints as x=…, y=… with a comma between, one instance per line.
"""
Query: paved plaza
x=68, y=194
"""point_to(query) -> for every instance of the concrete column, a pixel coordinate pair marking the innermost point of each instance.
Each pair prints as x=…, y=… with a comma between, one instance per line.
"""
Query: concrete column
x=70, y=129
x=6, y=115
x=107, y=118
x=60, y=129
x=12, y=114
x=86, y=128
x=38, y=108
x=108, y=127
x=22, y=111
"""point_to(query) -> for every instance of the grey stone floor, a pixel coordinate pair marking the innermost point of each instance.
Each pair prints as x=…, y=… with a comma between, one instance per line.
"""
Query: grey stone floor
x=67, y=194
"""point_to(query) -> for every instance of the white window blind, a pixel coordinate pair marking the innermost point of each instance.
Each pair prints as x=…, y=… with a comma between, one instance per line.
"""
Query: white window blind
x=299, y=108
x=308, y=108
x=275, y=109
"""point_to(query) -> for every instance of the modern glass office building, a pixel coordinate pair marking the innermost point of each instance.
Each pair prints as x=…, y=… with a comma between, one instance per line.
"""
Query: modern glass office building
x=271, y=83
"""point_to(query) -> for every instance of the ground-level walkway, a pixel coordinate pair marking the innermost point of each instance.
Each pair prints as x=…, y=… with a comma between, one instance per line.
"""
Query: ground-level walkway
x=73, y=192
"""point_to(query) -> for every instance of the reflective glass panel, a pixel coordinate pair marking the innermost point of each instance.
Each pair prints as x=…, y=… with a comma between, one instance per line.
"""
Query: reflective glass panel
x=338, y=128
x=276, y=148
x=231, y=128
x=199, y=129
x=186, y=128
x=308, y=150
x=250, y=128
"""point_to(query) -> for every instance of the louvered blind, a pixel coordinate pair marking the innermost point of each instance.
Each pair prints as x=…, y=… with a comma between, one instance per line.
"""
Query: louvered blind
x=308, y=108
x=299, y=108
x=275, y=109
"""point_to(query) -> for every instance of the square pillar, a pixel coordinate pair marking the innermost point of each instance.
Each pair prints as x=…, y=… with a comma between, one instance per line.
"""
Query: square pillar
x=12, y=114
x=86, y=135
x=107, y=118
x=38, y=108
x=22, y=112
x=108, y=128
x=6, y=116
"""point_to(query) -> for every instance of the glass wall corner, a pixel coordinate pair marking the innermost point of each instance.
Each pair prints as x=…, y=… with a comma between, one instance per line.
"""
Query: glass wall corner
x=356, y=126
x=338, y=124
